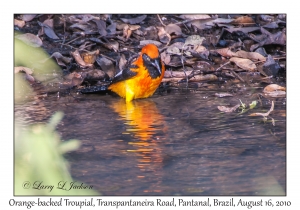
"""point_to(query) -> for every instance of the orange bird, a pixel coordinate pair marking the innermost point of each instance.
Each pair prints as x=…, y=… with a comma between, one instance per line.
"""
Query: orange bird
x=142, y=77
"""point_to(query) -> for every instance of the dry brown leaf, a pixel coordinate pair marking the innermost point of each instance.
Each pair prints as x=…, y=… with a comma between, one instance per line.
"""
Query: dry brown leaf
x=206, y=77
x=175, y=61
x=48, y=30
x=90, y=57
x=79, y=59
x=138, y=32
x=199, y=52
x=106, y=65
x=173, y=50
x=115, y=45
x=271, y=25
x=173, y=29
x=126, y=32
x=202, y=65
x=19, y=23
x=23, y=69
x=177, y=46
x=194, y=40
x=30, y=39
x=101, y=25
x=111, y=29
x=120, y=25
x=122, y=62
x=134, y=20
x=245, y=30
x=49, y=22
x=201, y=24
x=87, y=18
x=250, y=55
x=200, y=48
x=278, y=38
x=166, y=58
x=74, y=79
x=28, y=17
x=228, y=109
x=112, y=45
x=150, y=33
x=145, y=42
x=222, y=20
x=243, y=63
x=191, y=61
x=163, y=36
x=271, y=67
x=60, y=62
x=134, y=27
x=226, y=52
x=72, y=19
x=267, y=18
x=276, y=94
x=80, y=26
x=195, y=17
x=60, y=57
x=273, y=87
x=94, y=75
x=27, y=72
x=243, y=20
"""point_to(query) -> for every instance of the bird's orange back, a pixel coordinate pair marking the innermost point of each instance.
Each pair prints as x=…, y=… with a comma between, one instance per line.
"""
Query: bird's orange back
x=142, y=78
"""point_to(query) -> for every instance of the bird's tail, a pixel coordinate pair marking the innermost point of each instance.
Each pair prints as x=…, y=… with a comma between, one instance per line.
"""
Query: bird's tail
x=94, y=89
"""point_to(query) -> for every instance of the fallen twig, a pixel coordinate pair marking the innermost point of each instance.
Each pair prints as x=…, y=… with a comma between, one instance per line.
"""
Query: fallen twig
x=265, y=115
x=160, y=20
x=235, y=74
x=73, y=40
x=218, y=69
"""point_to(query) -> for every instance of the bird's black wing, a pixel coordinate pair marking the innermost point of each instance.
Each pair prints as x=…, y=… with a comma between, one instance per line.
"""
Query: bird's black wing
x=125, y=74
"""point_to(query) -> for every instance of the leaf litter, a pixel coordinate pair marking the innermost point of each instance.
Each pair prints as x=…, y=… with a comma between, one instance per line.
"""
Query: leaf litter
x=197, y=49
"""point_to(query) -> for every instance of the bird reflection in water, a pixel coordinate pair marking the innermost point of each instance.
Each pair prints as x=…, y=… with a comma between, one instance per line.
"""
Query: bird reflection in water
x=148, y=128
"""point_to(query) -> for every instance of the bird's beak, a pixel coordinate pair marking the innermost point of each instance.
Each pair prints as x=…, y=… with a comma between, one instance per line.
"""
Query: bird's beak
x=156, y=64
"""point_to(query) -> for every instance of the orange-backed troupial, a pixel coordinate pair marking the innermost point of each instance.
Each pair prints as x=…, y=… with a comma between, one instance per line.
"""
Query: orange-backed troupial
x=142, y=77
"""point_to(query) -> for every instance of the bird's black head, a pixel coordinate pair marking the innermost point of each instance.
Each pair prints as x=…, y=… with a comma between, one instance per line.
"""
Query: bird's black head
x=153, y=66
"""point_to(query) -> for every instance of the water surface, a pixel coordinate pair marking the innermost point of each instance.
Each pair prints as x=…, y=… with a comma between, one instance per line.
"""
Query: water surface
x=175, y=143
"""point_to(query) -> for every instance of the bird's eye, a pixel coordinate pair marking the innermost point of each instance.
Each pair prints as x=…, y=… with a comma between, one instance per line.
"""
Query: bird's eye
x=146, y=57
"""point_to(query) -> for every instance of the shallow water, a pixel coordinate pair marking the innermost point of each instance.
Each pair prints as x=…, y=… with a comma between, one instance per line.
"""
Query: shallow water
x=176, y=143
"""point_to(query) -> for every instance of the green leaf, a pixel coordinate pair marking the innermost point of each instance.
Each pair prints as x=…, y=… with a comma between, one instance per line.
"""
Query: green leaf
x=69, y=146
x=252, y=105
x=55, y=119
